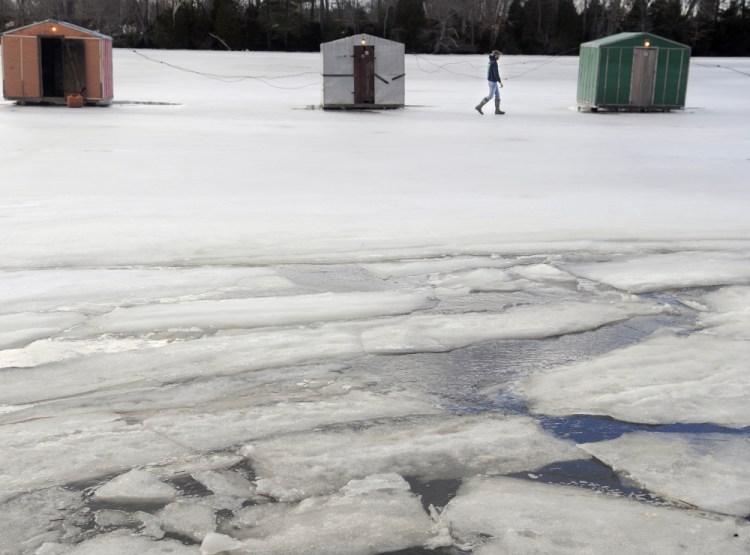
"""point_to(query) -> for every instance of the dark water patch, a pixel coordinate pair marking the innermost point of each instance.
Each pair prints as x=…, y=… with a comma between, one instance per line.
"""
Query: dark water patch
x=244, y=469
x=589, y=474
x=434, y=492
x=487, y=376
x=189, y=486
x=588, y=429
x=184, y=540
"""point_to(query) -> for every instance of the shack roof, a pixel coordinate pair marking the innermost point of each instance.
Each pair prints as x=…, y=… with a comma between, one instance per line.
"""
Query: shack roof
x=19, y=30
x=634, y=38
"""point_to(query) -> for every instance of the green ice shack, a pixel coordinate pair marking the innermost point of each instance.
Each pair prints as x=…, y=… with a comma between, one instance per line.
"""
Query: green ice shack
x=633, y=71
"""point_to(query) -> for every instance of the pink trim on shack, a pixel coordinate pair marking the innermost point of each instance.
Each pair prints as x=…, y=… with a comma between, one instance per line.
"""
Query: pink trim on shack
x=47, y=61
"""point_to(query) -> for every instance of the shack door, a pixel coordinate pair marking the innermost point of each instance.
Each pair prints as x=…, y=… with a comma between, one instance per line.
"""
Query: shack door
x=51, y=58
x=644, y=77
x=74, y=60
x=364, y=74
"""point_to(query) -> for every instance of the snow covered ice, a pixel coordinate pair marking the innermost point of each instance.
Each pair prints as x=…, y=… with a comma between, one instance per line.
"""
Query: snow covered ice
x=231, y=322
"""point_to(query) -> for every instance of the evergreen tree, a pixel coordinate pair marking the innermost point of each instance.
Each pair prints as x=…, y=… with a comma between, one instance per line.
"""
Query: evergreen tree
x=410, y=21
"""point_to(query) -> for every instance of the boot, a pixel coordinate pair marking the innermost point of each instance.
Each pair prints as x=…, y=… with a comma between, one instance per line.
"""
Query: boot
x=497, y=107
x=478, y=107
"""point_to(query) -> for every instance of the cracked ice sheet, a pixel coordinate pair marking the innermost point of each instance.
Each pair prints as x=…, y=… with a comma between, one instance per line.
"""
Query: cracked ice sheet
x=46, y=515
x=20, y=329
x=641, y=274
x=97, y=289
x=520, y=516
x=664, y=379
x=377, y=514
x=217, y=429
x=256, y=312
x=120, y=542
x=730, y=316
x=291, y=468
x=445, y=332
x=246, y=389
x=408, y=268
x=179, y=362
x=709, y=471
x=51, y=451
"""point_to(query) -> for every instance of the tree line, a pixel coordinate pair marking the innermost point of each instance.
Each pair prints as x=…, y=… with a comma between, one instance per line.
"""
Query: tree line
x=548, y=27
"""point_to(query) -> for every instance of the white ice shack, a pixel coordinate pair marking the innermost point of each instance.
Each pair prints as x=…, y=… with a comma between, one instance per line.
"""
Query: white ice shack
x=363, y=71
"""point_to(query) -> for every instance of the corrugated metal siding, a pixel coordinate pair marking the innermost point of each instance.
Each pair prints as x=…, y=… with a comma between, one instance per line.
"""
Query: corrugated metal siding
x=588, y=70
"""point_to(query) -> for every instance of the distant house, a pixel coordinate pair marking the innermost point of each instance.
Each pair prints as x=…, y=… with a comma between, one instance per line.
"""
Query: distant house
x=48, y=61
x=363, y=71
x=633, y=71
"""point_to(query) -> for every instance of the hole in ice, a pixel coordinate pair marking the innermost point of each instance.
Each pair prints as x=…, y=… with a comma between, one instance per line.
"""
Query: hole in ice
x=586, y=429
x=189, y=486
x=589, y=474
x=434, y=492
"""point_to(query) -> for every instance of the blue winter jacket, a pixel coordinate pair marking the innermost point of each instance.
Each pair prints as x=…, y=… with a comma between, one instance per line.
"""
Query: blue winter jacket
x=492, y=72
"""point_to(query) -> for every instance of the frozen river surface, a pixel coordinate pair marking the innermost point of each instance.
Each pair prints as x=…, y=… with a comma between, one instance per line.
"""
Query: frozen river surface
x=230, y=323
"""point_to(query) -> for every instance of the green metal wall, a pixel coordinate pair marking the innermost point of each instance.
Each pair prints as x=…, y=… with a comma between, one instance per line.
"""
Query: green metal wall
x=606, y=65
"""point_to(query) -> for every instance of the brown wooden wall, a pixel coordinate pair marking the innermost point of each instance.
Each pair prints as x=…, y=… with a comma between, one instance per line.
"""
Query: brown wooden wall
x=22, y=62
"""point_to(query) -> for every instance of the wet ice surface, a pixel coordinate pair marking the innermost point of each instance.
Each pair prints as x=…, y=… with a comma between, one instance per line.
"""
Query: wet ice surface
x=219, y=335
x=294, y=434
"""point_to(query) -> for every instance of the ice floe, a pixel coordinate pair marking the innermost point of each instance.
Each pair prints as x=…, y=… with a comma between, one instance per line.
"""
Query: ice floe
x=375, y=515
x=19, y=329
x=257, y=312
x=444, y=332
x=135, y=487
x=97, y=290
x=708, y=471
x=294, y=467
x=62, y=449
x=215, y=429
x=658, y=272
x=507, y=515
x=664, y=379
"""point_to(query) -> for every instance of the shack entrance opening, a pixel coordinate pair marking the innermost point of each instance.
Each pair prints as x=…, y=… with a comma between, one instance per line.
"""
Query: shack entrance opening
x=63, y=66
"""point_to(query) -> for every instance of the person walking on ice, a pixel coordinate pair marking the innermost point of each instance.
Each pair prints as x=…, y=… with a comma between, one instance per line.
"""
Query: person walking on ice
x=493, y=80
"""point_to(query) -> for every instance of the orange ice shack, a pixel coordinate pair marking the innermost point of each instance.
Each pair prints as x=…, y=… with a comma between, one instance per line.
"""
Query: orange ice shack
x=53, y=62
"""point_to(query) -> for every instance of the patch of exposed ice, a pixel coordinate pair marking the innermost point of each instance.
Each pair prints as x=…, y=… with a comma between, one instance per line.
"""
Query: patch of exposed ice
x=293, y=467
x=62, y=449
x=256, y=312
x=218, y=429
x=182, y=361
x=663, y=379
x=136, y=486
x=444, y=332
x=709, y=471
x=657, y=272
x=120, y=542
x=188, y=519
x=406, y=268
x=100, y=289
x=368, y=518
x=22, y=328
x=730, y=313
x=506, y=515
x=32, y=519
